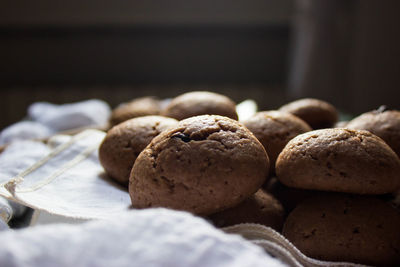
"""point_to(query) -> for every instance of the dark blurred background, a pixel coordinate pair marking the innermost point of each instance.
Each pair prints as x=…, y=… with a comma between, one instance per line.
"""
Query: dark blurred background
x=273, y=51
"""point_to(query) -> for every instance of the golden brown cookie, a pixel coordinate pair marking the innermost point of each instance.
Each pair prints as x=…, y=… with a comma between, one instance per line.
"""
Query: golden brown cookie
x=340, y=160
x=124, y=142
x=261, y=208
x=203, y=165
x=274, y=129
x=346, y=228
x=135, y=108
x=317, y=113
x=200, y=103
x=385, y=124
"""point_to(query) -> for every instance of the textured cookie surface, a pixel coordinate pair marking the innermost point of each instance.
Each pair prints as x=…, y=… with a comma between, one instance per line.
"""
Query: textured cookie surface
x=274, y=129
x=384, y=124
x=124, y=142
x=203, y=165
x=317, y=113
x=340, y=160
x=346, y=228
x=136, y=108
x=200, y=103
x=261, y=208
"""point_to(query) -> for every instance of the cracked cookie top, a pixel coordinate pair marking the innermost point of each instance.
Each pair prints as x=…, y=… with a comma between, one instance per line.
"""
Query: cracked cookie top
x=203, y=165
x=340, y=160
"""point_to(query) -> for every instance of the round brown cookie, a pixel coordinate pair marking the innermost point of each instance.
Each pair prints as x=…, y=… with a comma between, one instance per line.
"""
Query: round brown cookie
x=289, y=197
x=385, y=124
x=274, y=129
x=136, y=108
x=200, y=103
x=124, y=142
x=317, y=113
x=203, y=165
x=260, y=208
x=346, y=228
x=340, y=160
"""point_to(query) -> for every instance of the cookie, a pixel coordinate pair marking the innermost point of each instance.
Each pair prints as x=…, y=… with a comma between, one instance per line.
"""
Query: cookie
x=289, y=197
x=340, y=160
x=317, y=113
x=274, y=129
x=124, y=142
x=203, y=165
x=261, y=208
x=136, y=108
x=385, y=124
x=336, y=227
x=200, y=103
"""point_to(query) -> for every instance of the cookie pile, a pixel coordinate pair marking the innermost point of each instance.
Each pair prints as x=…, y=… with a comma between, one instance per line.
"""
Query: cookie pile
x=195, y=156
x=348, y=222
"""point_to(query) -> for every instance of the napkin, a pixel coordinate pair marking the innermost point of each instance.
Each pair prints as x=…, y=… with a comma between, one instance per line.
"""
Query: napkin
x=18, y=156
x=68, y=181
x=152, y=237
x=92, y=112
x=5, y=213
x=24, y=130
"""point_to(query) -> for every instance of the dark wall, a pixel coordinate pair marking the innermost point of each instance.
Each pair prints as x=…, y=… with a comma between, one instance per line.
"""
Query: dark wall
x=143, y=55
x=347, y=52
x=66, y=51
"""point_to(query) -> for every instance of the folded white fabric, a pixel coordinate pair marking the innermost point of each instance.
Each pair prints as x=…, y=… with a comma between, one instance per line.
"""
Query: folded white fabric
x=24, y=130
x=19, y=156
x=3, y=225
x=92, y=112
x=152, y=237
x=5, y=212
x=68, y=181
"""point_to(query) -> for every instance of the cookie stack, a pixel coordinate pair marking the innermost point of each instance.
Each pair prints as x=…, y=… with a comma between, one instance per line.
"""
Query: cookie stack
x=355, y=226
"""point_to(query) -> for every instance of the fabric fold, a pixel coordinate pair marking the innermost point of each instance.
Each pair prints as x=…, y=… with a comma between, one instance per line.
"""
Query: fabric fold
x=69, y=181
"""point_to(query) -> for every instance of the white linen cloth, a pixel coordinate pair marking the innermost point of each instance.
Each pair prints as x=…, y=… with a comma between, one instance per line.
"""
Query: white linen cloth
x=92, y=112
x=47, y=119
x=6, y=213
x=16, y=158
x=68, y=181
x=3, y=225
x=24, y=130
x=152, y=237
